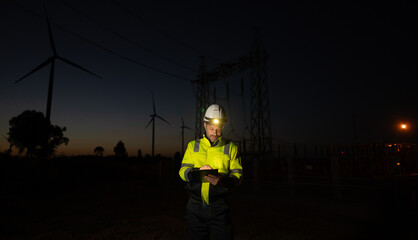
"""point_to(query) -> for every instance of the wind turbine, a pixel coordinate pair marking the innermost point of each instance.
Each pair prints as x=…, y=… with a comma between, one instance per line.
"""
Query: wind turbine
x=182, y=134
x=153, y=123
x=51, y=75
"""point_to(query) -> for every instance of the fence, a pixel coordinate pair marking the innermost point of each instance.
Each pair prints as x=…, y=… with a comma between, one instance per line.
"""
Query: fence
x=345, y=159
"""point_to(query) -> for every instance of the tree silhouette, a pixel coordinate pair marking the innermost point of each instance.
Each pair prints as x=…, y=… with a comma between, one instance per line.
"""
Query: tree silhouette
x=8, y=152
x=33, y=132
x=99, y=151
x=120, y=150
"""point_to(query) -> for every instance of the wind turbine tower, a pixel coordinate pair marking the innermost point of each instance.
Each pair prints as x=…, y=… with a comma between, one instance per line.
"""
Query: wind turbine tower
x=51, y=60
x=153, y=116
x=182, y=134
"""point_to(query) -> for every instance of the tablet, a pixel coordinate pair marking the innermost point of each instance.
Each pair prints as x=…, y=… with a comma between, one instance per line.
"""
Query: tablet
x=199, y=175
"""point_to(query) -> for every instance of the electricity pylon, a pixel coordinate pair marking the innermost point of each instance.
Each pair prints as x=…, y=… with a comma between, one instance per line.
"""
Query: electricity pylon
x=256, y=61
x=261, y=138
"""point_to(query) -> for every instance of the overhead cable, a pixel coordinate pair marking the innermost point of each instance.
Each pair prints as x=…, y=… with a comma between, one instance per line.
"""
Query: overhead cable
x=104, y=48
x=127, y=39
x=200, y=53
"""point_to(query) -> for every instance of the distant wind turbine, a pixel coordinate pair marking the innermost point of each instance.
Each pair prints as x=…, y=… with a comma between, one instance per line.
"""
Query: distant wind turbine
x=182, y=134
x=51, y=75
x=153, y=123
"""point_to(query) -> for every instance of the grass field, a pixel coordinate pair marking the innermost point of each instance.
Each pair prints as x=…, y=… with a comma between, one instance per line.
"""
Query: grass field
x=87, y=199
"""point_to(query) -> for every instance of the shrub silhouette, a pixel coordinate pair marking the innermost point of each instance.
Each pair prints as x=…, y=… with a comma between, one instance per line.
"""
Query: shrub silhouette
x=99, y=151
x=120, y=150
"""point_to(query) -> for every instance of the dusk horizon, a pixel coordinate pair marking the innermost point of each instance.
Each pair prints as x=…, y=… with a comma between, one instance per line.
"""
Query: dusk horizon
x=325, y=64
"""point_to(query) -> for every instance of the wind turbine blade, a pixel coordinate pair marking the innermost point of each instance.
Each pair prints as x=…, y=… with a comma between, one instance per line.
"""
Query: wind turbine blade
x=182, y=122
x=187, y=128
x=51, y=40
x=153, y=104
x=150, y=121
x=162, y=119
x=36, y=69
x=77, y=66
x=5, y=137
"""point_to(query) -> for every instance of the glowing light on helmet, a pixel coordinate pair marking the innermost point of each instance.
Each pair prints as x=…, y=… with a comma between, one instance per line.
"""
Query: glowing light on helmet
x=215, y=114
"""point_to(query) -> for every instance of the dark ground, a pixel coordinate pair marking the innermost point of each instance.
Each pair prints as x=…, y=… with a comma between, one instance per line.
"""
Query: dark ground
x=84, y=199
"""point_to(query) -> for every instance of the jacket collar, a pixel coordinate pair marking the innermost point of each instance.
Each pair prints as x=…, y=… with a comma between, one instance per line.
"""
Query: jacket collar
x=216, y=143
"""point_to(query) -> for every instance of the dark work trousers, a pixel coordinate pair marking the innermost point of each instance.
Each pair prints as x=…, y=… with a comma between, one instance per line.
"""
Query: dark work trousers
x=208, y=221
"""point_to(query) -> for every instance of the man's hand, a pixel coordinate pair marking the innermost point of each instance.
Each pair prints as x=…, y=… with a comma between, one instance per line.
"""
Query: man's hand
x=206, y=167
x=213, y=179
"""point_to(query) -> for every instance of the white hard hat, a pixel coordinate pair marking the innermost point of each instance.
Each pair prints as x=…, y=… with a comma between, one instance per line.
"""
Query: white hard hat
x=215, y=114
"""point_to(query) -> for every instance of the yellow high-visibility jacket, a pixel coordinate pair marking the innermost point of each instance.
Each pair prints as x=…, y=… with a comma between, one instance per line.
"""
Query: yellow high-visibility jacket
x=222, y=155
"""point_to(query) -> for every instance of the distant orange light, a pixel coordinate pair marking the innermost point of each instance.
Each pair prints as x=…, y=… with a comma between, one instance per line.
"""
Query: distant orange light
x=403, y=126
x=398, y=164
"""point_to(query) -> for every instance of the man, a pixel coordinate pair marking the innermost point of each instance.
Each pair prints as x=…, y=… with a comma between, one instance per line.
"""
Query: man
x=207, y=213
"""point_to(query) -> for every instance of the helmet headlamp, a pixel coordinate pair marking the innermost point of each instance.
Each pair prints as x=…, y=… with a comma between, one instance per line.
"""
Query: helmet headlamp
x=215, y=115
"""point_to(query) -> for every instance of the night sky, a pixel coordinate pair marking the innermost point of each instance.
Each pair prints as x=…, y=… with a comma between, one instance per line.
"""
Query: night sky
x=326, y=62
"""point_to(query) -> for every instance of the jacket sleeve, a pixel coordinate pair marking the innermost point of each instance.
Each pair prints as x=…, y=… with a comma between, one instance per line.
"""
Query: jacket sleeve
x=234, y=178
x=235, y=165
x=187, y=164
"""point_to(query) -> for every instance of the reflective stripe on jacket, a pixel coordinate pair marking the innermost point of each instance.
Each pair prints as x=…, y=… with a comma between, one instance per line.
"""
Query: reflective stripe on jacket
x=221, y=155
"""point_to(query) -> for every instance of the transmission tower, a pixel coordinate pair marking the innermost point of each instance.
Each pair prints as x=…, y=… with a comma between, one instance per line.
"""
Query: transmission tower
x=202, y=98
x=261, y=139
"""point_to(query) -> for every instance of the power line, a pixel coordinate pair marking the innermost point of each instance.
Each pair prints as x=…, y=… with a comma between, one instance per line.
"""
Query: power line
x=200, y=53
x=102, y=47
x=127, y=39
